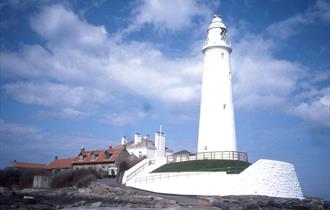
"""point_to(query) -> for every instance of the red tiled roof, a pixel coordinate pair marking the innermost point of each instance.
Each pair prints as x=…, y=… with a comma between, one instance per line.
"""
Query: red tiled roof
x=29, y=165
x=61, y=163
x=100, y=156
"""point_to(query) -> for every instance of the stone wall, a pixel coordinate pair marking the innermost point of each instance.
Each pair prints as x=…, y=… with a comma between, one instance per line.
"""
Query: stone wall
x=265, y=177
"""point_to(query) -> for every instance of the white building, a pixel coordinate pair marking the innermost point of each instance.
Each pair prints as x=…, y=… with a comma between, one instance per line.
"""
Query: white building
x=217, y=124
x=146, y=147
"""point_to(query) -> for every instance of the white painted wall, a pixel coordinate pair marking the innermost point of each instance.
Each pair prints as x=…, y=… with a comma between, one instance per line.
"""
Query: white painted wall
x=265, y=177
x=217, y=124
x=160, y=144
x=141, y=151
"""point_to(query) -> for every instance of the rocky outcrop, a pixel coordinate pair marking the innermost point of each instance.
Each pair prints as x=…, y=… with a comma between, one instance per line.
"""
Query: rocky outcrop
x=96, y=195
x=103, y=195
x=266, y=203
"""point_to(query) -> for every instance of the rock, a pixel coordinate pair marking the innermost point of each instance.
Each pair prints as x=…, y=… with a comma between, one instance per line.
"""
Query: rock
x=79, y=203
x=29, y=199
x=251, y=204
x=5, y=191
x=96, y=204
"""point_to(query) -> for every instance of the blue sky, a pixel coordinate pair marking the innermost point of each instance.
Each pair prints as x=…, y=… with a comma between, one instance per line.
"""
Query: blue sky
x=85, y=73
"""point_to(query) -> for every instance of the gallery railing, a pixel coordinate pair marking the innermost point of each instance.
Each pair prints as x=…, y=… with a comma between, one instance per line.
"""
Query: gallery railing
x=219, y=155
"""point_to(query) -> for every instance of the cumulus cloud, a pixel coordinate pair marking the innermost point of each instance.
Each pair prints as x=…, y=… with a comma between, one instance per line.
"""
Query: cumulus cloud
x=52, y=94
x=260, y=79
x=292, y=25
x=62, y=28
x=125, y=118
x=18, y=140
x=317, y=109
x=288, y=27
x=168, y=15
x=82, y=65
x=66, y=113
x=8, y=129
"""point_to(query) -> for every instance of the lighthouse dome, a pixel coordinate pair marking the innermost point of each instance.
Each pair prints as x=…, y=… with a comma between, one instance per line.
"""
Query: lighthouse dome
x=216, y=23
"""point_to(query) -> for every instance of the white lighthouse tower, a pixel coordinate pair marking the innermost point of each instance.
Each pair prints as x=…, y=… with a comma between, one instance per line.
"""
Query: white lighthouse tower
x=217, y=123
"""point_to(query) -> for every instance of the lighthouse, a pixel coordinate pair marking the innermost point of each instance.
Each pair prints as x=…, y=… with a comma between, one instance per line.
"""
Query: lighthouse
x=217, y=121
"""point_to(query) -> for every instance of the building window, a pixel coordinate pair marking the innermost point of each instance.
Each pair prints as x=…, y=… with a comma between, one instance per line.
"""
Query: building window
x=107, y=155
x=82, y=157
x=94, y=156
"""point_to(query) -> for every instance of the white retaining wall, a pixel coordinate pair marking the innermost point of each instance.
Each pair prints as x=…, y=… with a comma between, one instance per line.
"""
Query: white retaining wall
x=265, y=177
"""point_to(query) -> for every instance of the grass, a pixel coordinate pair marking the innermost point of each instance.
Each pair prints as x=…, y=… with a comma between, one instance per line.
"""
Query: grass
x=230, y=166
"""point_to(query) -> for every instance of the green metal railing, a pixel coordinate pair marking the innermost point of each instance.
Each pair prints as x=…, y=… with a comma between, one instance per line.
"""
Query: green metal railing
x=218, y=155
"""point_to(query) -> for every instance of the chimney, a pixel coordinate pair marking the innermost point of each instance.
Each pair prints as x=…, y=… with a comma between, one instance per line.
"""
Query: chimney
x=110, y=146
x=160, y=144
x=56, y=158
x=123, y=140
x=82, y=149
x=137, y=138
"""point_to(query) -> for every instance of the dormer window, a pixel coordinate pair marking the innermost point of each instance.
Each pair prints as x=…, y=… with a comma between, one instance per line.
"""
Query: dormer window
x=94, y=156
x=82, y=157
x=107, y=155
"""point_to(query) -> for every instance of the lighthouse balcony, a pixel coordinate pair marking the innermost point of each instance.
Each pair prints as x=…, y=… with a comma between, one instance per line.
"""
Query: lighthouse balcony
x=216, y=44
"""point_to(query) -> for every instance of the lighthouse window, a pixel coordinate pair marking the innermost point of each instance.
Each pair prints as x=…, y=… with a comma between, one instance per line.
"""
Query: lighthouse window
x=224, y=106
x=205, y=148
x=222, y=54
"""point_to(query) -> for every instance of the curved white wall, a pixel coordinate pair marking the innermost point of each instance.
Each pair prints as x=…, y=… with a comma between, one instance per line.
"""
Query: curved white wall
x=265, y=177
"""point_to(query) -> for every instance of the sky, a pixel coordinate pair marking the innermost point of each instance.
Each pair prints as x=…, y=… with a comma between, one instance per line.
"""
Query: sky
x=84, y=73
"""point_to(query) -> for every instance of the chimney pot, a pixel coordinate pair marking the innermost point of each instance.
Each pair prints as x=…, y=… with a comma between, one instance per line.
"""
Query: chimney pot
x=56, y=157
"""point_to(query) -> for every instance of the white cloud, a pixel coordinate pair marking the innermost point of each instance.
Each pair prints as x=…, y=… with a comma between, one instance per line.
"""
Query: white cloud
x=18, y=140
x=120, y=119
x=62, y=28
x=83, y=74
x=8, y=129
x=317, y=110
x=82, y=65
x=288, y=27
x=263, y=81
x=54, y=95
x=260, y=79
x=321, y=10
x=168, y=15
x=66, y=113
x=292, y=25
